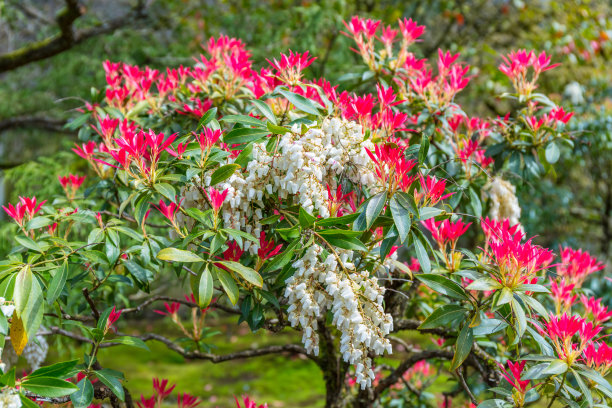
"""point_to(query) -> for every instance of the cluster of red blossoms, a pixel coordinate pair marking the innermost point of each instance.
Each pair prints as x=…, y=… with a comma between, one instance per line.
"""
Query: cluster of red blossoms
x=24, y=210
x=162, y=390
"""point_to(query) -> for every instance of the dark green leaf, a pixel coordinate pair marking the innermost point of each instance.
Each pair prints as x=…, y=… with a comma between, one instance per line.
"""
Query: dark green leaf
x=84, y=395
x=443, y=285
x=443, y=315
x=464, y=344
x=301, y=103
x=244, y=135
x=223, y=173
x=49, y=387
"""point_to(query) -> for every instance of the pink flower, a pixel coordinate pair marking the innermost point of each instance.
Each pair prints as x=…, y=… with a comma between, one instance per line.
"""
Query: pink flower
x=187, y=401
x=432, y=190
x=514, y=376
x=290, y=66
x=594, y=307
x=146, y=403
x=216, y=198
x=16, y=212
x=71, y=184
x=267, y=249
x=168, y=210
x=248, y=403
x=171, y=309
x=562, y=294
x=576, y=265
x=445, y=232
x=161, y=388
x=559, y=114
x=337, y=200
x=31, y=205
x=392, y=167
x=562, y=330
x=179, y=151
x=598, y=356
x=208, y=138
x=112, y=318
x=410, y=30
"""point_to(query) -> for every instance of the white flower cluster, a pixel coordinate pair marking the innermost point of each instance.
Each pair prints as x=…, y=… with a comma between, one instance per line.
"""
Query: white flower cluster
x=9, y=398
x=504, y=204
x=35, y=353
x=354, y=299
x=300, y=169
x=6, y=308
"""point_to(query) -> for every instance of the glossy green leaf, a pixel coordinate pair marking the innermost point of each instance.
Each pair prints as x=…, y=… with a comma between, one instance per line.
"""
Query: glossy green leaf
x=443, y=285
x=229, y=285
x=178, y=255
x=463, y=346
x=49, y=387
x=57, y=283
x=248, y=274
x=223, y=173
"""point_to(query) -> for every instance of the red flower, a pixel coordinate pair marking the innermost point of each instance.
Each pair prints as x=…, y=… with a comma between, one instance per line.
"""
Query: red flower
x=208, y=138
x=562, y=294
x=445, y=232
x=576, y=265
x=168, y=210
x=161, y=388
x=146, y=403
x=598, y=356
x=233, y=252
x=337, y=200
x=31, y=205
x=248, y=403
x=410, y=30
x=562, y=329
x=171, y=309
x=432, y=190
x=290, y=66
x=71, y=183
x=187, y=401
x=266, y=248
x=392, y=167
x=216, y=198
x=16, y=212
x=594, y=307
x=113, y=317
x=514, y=376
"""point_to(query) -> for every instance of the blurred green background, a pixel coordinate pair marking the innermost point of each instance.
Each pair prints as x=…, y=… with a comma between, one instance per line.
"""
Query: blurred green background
x=572, y=206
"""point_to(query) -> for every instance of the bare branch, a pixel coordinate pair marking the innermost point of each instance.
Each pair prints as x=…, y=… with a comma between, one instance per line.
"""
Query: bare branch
x=67, y=37
x=37, y=122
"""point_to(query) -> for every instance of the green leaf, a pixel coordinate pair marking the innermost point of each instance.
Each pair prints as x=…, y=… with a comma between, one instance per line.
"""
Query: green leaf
x=464, y=344
x=206, y=118
x=401, y=217
x=84, y=395
x=370, y=211
x=166, y=190
x=426, y=213
x=277, y=130
x=306, y=220
x=493, y=403
x=521, y=319
x=29, y=301
x=282, y=259
x=38, y=222
x=346, y=243
x=489, y=326
x=28, y=243
x=265, y=110
x=421, y=253
x=475, y=202
x=424, y=149
x=229, y=285
x=301, y=103
x=555, y=367
x=223, y=173
x=27, y=403
x=442, y=316
x=585, y=390
x=552, y=153
x=129, y=341
x=57, y=283
x=49, y=387
x=245, y=156
x=248, y=274
x=484, y=284
x=63, y=369
x=111, y=379
x=178, y=255
x=244, y=119
x=244, y=135
x=443, y=285
x=205, y=288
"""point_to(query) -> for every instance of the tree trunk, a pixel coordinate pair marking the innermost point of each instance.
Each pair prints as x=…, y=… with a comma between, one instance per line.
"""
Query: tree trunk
x=333, y=368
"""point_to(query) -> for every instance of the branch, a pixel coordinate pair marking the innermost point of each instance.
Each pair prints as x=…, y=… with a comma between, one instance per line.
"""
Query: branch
x=38, y=122
x=414, y=358
x=191, y=355
x=66, y=38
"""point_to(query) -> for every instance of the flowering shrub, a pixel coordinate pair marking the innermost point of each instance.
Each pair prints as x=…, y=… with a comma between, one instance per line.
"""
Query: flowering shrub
x=288, y=202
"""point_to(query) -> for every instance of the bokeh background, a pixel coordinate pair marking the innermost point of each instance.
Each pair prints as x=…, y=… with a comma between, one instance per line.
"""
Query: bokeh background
x=50, y=59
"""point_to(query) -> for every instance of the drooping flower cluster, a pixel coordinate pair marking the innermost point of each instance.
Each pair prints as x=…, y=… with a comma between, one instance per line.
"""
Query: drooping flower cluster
x=302, y=169
x=503, y=201
x=354, y=299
